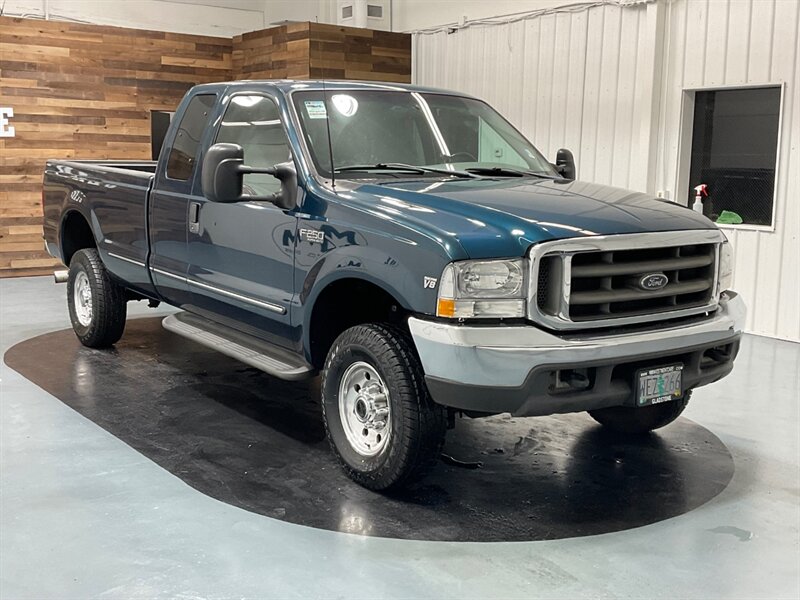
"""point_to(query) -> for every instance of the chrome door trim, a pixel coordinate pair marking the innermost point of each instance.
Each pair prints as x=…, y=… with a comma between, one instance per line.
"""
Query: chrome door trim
x=261, y=303
x=276, y=308
x=138, y=263
x=168, y=274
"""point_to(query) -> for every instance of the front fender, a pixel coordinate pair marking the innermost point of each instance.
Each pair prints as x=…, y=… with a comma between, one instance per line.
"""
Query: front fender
x=410, y=275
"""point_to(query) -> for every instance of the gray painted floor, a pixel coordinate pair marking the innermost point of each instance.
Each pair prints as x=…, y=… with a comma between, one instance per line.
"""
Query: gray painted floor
x=84, y=515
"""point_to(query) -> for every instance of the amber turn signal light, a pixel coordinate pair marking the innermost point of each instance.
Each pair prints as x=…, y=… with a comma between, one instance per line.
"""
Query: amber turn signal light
x=446, y=307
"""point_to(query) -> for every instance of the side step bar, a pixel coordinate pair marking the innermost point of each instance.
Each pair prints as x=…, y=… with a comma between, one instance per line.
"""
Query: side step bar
x=248, y=349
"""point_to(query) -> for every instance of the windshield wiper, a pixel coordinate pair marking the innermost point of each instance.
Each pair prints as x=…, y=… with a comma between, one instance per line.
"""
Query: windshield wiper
x=404, y=167
x=507, y=172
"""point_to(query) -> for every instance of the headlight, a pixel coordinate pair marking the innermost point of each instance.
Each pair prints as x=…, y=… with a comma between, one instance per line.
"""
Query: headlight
x=483, y=288
x=725, y=273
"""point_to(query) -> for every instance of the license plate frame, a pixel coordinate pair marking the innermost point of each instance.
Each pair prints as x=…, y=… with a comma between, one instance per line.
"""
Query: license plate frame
x=655, y=385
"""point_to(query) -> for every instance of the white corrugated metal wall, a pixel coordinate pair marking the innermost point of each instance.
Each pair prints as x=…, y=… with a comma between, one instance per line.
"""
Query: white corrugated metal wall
x=608, y=82
x=716, y=44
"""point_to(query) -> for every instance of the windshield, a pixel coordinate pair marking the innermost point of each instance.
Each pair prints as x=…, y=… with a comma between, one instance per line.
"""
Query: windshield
x=383, y=127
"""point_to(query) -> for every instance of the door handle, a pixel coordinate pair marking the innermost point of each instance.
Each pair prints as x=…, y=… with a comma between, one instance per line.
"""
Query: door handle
x=194, y=217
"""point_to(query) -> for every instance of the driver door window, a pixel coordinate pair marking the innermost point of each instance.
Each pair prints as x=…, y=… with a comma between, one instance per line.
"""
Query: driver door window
x=254, y=123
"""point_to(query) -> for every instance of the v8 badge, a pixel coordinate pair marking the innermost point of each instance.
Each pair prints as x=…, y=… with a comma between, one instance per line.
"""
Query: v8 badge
x=429, y=282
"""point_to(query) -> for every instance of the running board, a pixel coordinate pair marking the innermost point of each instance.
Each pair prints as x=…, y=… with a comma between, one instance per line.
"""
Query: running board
x=245, y=348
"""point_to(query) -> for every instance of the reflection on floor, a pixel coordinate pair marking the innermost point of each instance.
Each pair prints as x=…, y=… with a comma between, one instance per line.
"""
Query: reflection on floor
x=211, y=420
x=100, y=506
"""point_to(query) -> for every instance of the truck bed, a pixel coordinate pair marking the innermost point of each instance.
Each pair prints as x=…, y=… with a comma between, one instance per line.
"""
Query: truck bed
x=110, y=195
x=140, y=166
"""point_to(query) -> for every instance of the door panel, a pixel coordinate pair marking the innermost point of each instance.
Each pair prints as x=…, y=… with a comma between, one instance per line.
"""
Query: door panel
x=242, y=265
x=169, y=200
x=241, y=255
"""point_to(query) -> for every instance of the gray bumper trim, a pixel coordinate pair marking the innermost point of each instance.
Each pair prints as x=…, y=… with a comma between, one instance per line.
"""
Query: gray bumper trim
x=503, y=356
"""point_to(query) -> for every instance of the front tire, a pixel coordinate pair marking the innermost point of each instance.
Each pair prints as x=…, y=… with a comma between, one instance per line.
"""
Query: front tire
x=97, y=305
x=635, y=420
x=380, y=420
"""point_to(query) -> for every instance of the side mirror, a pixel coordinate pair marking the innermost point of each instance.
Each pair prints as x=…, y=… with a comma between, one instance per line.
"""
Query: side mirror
x=222, y=177
x=223, y=172
x=565, y=164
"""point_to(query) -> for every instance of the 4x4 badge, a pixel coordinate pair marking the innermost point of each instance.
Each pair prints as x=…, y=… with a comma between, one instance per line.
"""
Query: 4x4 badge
x=429, y=282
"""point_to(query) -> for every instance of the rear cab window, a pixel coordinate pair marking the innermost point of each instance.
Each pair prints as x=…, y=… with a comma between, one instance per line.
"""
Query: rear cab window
x=185, y=146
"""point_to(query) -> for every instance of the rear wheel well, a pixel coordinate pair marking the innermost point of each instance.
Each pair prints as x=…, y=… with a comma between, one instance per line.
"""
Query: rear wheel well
x=75, y=235
x=343, y=304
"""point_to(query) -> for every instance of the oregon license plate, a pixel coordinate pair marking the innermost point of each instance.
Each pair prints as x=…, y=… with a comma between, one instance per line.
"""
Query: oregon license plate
x=659, y=384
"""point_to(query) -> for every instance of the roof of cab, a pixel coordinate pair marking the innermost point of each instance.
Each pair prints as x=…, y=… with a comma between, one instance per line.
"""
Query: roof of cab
x=288, y=85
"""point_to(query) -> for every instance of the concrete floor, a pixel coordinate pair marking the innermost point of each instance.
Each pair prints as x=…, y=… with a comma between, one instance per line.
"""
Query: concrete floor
x=82, y=514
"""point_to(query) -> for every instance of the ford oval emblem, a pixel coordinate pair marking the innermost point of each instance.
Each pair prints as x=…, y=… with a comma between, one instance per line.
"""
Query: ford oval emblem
x=653, y=281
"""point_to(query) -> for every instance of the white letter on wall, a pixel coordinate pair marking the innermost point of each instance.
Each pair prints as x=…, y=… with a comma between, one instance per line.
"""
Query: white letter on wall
x=5, y=129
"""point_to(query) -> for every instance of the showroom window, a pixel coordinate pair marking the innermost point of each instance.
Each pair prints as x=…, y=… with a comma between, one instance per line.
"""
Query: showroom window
x=180, y=164
x=734, y=152
x=254, y=123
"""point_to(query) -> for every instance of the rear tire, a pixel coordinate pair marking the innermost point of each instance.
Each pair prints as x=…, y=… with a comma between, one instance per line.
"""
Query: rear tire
x=634, y=420
x=380, y=420
x=97, y=305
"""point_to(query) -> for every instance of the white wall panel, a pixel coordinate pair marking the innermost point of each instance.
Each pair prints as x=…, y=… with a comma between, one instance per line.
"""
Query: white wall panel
x=610, y=83
x=720, y=43
x=565, y=79
x=203, y=17
x=411, y=15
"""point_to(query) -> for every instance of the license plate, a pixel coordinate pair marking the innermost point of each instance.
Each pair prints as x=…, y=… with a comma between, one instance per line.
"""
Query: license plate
x=659, y=384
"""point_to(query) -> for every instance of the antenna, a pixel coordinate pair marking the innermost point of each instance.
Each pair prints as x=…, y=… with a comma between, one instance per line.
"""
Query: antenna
x=328, y=126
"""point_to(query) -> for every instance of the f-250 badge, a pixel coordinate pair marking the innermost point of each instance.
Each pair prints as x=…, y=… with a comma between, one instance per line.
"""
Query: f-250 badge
x=312, y=235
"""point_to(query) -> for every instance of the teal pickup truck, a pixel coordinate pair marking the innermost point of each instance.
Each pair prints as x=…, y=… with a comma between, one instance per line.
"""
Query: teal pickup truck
x=413, y=248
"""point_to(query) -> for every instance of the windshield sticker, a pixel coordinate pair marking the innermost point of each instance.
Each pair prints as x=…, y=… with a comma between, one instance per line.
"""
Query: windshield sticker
x=316, y=109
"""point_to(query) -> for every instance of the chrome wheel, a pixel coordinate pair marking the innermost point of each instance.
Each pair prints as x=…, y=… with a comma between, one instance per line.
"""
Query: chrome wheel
x=82, y=296
x=364, y=409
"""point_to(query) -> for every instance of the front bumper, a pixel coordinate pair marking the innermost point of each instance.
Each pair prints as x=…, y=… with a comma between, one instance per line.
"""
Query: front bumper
x=520, y=369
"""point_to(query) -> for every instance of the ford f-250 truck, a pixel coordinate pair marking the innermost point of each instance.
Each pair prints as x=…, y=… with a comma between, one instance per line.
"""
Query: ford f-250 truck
x=411, y=246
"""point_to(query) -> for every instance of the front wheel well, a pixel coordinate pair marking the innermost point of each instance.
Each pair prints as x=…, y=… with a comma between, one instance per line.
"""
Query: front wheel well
x=76, y=234
x=344, y=304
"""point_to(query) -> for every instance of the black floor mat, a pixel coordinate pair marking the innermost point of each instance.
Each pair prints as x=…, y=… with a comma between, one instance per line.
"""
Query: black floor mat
x=256, y=442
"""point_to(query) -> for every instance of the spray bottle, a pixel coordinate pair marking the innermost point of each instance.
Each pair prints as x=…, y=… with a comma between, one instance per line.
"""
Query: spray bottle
x=699, y=191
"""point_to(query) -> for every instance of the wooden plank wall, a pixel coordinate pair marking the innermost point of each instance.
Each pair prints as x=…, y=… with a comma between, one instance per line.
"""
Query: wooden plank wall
x=317, y=50
x=83, y=91
x=86, y=91
x=274, y=53
x=352, y=53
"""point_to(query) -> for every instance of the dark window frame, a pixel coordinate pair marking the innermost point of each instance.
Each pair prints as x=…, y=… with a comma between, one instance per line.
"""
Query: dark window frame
x=686, y=143
x=199, y=147
x=160, y=120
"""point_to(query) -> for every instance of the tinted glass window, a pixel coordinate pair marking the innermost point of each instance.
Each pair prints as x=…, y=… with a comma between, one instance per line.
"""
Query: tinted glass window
x=435, y=130
x=159, y=126
x=180, y=164
x=734, y=151
x=482, y=136
x=254, y=123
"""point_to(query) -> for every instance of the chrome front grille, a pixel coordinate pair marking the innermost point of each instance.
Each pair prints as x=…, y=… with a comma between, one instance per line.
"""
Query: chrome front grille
x=596, y=281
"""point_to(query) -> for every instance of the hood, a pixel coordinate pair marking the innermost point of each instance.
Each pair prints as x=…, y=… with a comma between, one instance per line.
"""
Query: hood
x=503, y=217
